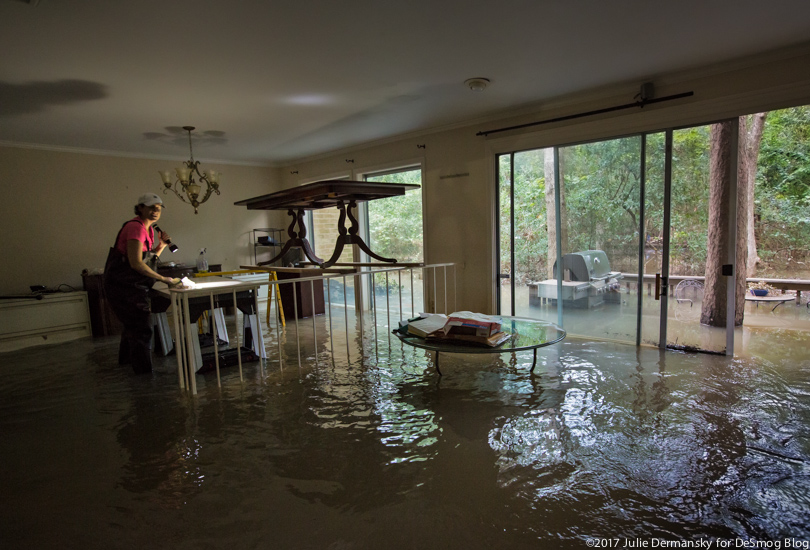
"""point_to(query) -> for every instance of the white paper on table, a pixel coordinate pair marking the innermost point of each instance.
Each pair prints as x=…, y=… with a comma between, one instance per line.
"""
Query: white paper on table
x=187, y=283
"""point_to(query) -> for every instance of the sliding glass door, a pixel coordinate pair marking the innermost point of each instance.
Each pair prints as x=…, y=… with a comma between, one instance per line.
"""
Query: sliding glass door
x=610, y=238
x=702, y=216
x=600, y=190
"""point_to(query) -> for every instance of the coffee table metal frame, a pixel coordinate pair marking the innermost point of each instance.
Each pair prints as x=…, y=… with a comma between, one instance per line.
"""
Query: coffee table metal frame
x=519, y=341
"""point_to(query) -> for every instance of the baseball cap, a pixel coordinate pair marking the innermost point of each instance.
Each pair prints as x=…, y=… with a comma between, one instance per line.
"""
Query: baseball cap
x=149, y=199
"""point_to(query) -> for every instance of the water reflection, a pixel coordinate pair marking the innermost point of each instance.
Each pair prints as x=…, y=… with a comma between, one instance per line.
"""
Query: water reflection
x=671, y=449
x=362, y=445
x=162, y=459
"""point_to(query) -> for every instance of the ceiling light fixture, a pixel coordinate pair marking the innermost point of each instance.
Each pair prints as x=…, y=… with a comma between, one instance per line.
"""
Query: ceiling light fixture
x=477, y=84
x=185, y=177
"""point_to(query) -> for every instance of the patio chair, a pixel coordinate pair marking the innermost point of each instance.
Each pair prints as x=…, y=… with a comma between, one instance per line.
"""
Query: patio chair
x=689, y=290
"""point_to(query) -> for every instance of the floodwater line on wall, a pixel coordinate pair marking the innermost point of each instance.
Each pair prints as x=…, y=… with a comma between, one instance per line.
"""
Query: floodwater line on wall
x=641, y=104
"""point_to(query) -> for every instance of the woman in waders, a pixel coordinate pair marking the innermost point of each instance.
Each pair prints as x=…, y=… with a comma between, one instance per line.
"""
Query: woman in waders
x=128, y=278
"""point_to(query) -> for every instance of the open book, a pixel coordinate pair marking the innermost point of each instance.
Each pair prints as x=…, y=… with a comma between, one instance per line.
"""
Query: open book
x=463, y=327
x=427, y=324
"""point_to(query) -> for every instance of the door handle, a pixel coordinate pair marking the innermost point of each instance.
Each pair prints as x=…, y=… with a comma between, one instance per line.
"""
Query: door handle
x=660, y=282
x=657, y=286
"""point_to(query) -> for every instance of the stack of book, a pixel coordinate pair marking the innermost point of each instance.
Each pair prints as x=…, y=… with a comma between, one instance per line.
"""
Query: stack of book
x=463, y=327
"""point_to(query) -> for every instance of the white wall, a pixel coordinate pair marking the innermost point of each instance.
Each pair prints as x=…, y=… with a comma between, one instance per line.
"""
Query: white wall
x=63, y=210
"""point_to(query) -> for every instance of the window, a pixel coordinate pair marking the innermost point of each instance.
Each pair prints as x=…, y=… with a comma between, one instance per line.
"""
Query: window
x=394, y=225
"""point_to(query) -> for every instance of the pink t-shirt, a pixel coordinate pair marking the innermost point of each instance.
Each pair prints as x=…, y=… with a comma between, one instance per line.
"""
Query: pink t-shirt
x=134, y=229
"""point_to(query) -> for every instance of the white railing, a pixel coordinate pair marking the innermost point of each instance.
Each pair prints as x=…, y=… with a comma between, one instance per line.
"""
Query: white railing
x=367, y=306
x=385, y=304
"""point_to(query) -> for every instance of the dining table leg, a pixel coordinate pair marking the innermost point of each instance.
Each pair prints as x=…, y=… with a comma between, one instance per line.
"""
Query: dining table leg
x=296, y=239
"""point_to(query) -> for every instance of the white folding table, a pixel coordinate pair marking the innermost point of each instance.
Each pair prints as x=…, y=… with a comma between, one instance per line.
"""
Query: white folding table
x=211, y=293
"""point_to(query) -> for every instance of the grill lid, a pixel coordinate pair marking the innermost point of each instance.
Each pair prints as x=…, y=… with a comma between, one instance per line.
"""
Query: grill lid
x=586, y=265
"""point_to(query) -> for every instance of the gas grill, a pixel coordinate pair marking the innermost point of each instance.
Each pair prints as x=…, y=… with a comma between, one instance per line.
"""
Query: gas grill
x=587, y=281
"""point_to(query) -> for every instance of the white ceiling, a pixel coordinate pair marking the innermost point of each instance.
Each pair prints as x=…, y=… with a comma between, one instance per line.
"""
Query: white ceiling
x=269, y=81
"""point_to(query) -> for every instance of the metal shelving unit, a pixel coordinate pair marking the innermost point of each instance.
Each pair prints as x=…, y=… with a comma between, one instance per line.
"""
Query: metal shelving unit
x=266, y=237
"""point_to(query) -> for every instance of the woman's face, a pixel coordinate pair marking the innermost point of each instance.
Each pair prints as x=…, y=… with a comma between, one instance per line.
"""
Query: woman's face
x=150, y=213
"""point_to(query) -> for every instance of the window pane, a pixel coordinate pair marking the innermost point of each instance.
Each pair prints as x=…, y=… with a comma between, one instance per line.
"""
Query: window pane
x=395, y=231
x=395, y=223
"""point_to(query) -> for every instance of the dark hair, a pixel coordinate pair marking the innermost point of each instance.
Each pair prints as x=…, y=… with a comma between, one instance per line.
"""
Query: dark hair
x=139, y=205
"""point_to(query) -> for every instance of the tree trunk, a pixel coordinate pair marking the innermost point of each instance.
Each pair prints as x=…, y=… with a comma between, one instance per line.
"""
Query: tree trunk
x=551, y=216
x=749, y=153
x=741, y=252
x=715, y=300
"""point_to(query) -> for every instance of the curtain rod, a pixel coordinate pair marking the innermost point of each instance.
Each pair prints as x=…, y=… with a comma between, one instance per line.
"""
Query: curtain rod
x=589, y=113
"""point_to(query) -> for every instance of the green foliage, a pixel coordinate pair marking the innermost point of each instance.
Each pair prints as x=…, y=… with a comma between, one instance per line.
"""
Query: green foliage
x=531, y=237
x=395, y=223
x=601, y=182
x=690, y=200
x=601, y=186
x=783, y=185
x=602, y=190
x=784, y=158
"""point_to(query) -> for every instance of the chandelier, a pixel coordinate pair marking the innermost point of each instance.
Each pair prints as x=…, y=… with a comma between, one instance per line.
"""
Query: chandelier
x=185, y=187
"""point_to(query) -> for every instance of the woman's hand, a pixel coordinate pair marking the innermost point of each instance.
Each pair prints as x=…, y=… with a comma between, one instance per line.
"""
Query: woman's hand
x=173, y=283
x=163, y=241
x=164, y=237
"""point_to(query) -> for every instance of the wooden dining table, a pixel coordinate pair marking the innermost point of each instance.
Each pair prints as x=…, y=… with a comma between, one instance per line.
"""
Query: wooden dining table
x=341, y=194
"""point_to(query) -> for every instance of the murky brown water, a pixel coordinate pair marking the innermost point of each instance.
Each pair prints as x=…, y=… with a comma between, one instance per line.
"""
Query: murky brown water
x=370, y=450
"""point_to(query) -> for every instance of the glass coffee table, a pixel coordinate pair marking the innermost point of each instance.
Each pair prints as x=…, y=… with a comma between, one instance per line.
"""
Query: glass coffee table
x=526, y=334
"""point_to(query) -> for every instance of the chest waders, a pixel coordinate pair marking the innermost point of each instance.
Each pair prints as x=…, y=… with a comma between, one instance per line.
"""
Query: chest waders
x=128, y=295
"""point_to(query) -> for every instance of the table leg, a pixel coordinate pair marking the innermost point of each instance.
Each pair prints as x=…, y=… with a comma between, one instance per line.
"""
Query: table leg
x=180, y=344
x=216, y=338
x=355, y=238
x=304, y=243
x=296, y=239
x=191, y=365
x=351, y=236
x=534, y=361
x=436, y=363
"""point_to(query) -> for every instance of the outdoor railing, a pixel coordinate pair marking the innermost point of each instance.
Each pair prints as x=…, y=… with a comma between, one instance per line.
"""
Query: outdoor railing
x=798, y=285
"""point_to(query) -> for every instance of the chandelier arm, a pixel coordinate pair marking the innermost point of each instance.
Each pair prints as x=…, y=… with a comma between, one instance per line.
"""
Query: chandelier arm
x=195, y=165
x=207, y=192
x=173, y=190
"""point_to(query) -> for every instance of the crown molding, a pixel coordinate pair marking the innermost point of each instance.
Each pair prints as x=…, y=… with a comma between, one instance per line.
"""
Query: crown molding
x=122, y=154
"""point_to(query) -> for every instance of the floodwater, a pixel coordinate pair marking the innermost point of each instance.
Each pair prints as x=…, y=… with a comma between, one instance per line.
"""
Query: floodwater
x=615, y=320
x=362, y=445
